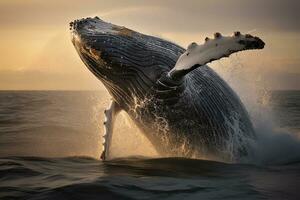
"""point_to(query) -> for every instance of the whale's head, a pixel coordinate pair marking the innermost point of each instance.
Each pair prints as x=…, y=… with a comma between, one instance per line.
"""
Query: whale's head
x=127, y=62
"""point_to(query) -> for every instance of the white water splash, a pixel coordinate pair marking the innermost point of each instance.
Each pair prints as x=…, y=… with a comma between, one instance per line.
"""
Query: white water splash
x=273, y=145
x=128, y=139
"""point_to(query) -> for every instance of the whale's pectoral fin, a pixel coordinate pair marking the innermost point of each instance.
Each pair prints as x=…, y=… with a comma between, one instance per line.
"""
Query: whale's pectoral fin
x=213, y=49
x=110, y=116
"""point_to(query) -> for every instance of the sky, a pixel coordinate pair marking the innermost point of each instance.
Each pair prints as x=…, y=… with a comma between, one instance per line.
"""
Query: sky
x=36, y=52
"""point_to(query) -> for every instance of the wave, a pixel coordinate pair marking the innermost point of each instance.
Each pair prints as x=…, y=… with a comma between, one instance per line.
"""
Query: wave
x=140, y=177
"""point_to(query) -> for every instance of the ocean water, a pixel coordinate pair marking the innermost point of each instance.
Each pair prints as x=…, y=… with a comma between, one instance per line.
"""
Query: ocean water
x=50, y=143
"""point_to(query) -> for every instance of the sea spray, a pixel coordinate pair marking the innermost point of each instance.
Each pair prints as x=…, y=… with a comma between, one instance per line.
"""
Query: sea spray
x=273, y=144
x=128, y=140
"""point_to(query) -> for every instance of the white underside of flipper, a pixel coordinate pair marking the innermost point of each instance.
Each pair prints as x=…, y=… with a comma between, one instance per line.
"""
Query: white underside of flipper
x=109, y=118
x=214, y=49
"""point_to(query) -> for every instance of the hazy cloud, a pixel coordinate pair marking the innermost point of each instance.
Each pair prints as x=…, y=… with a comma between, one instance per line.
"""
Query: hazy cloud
x=172, y=15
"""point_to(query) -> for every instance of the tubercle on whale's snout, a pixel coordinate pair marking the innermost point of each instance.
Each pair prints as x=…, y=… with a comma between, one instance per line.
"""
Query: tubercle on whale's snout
x=92, y=26
x=81, y=39
x=75, y=23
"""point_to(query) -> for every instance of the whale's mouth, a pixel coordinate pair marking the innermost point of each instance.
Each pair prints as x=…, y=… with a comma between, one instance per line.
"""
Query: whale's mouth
x=101, y=42
x=84, y=33
x=92, y=40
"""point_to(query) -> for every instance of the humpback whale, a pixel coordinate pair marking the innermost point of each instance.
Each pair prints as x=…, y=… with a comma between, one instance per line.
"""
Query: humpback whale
x=181, y=105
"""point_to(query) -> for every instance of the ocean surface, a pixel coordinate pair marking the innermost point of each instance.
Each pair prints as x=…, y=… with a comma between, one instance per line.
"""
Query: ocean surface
x=50, y=144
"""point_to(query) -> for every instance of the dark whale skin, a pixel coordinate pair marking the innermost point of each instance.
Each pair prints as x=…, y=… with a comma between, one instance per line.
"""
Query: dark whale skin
x=200, y=116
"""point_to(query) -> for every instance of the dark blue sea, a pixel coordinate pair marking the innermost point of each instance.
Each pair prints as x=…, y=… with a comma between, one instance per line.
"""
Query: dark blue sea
x=50, y=144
